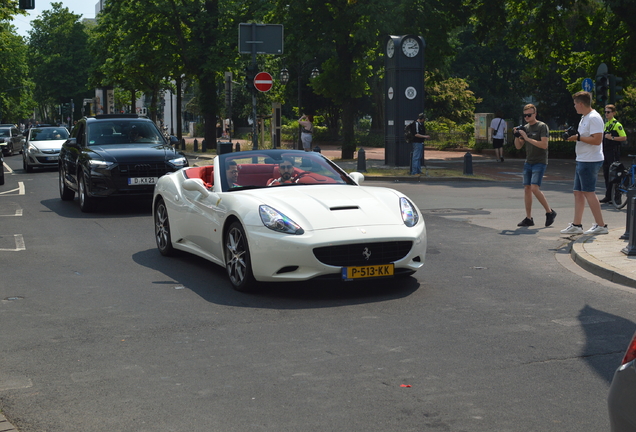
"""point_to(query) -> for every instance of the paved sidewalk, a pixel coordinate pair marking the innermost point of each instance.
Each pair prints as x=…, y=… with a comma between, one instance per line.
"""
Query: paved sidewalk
x=600, y=255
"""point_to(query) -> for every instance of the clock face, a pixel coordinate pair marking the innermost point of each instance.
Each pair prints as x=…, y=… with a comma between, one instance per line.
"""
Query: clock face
x=390, y=48
x=410, y=47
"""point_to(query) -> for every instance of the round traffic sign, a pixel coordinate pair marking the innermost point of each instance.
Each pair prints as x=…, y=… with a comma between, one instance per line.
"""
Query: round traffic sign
x=263, y=81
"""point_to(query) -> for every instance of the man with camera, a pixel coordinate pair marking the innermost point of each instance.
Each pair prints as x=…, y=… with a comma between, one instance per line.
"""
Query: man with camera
x=589, y=159
x=614, y=135
x=534, y=135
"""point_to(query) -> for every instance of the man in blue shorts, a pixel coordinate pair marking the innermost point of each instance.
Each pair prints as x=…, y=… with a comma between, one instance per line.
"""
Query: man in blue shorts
x=589, y=160
x=535, y=138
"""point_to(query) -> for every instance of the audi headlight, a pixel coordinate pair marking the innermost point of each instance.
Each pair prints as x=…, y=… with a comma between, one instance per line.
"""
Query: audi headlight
x=179, y=162
x=276, y=221
x=99, y=164
x=410, y=216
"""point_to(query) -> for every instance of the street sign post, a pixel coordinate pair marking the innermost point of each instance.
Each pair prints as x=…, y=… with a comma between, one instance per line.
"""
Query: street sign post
x=588, y=84
x=263, y=81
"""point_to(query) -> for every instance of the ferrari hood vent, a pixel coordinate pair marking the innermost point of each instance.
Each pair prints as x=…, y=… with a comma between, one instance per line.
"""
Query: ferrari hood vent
x=351, y=207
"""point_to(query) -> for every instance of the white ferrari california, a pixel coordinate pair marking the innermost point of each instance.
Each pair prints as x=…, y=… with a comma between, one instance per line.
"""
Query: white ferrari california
x=287, y=215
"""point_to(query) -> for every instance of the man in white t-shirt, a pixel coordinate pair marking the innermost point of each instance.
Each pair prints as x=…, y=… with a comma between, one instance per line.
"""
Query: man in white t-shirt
x=499, y=127
x=589, y=160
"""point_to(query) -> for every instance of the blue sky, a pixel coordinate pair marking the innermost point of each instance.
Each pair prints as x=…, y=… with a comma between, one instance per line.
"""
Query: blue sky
x=86, y=8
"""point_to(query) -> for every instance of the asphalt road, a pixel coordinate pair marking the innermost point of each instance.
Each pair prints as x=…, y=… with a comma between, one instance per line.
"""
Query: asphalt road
x=498, y=332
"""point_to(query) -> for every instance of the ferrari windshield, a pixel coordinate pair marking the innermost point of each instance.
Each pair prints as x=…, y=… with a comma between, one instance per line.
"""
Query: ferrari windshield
x=277, y=168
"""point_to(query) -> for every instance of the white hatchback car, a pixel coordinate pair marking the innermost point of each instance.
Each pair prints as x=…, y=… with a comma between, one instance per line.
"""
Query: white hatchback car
x=42, y=147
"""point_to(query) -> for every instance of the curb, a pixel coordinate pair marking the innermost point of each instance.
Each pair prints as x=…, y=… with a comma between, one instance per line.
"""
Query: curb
x=5, y=426
x=588, y=262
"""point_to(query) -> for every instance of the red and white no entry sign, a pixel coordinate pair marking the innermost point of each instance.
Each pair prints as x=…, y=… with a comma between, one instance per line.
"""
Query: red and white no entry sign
x=263, y=81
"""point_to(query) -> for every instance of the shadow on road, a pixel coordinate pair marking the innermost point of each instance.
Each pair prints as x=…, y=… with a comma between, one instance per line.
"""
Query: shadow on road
x=210, y=282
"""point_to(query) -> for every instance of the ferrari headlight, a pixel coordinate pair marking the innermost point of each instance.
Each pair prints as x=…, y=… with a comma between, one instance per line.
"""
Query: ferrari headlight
x=179, y=162
x=276, y=221
x=409, y=212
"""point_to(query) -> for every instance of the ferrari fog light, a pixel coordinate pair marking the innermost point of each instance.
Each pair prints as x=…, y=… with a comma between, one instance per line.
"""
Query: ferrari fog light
x=409, y=212
x=276, y=221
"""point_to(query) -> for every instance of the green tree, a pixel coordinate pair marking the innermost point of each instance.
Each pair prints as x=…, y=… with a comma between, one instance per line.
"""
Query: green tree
x=59, y=58
x=16, y=101
x=449, y=99
x=135, y=54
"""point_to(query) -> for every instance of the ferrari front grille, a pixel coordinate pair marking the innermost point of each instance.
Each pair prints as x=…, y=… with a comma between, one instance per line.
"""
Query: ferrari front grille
x=361, y=254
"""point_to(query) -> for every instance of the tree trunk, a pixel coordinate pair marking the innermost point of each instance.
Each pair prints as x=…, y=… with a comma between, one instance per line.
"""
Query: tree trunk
x=348, y=114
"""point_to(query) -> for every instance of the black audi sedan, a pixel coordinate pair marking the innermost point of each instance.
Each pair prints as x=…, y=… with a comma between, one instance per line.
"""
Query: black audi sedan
x=114, y=155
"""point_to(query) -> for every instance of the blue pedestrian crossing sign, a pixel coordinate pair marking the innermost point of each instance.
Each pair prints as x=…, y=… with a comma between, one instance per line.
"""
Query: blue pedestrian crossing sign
x=588, y=84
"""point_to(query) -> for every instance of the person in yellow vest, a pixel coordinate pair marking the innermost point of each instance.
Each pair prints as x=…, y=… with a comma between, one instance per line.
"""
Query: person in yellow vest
x=613, y=136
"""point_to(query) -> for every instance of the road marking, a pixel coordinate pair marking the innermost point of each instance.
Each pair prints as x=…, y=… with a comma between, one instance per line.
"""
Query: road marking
x=19, y=244
x=20, y=190
x=18, y=213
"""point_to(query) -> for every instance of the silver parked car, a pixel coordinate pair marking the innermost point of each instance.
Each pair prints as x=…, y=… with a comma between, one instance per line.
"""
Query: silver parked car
x=11, y=140
x=42, y=147
x=621, y=401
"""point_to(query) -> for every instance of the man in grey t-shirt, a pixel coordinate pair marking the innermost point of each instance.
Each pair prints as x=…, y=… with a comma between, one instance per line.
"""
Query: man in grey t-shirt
x=535, y=138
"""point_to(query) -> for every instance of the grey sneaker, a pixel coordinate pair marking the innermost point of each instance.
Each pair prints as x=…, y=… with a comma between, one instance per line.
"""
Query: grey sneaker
x=572, y=229
x=597, y=229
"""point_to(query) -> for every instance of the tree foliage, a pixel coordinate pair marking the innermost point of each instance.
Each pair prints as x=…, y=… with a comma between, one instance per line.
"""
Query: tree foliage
x=58, y=57
x=15, y=86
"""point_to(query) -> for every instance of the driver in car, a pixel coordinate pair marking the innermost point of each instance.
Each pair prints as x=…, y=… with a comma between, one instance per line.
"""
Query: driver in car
x=286, y=168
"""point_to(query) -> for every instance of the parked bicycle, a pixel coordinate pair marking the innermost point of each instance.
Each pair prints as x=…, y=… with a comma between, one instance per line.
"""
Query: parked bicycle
x=627, y=180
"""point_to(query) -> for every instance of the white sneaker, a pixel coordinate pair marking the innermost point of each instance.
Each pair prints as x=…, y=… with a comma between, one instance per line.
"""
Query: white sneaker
x=597, y=229
x=572, y=229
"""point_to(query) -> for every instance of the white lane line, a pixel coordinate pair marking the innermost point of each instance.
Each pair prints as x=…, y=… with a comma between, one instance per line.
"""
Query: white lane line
x=19, y=244
x=20, y=190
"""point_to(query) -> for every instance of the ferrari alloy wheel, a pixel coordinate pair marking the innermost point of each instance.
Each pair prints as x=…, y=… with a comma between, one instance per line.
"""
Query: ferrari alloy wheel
x=87, y=203
x=237, y=258
x=162, y=229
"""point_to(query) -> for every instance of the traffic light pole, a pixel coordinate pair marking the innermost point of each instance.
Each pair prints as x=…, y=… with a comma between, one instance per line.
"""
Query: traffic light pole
x=254, y=113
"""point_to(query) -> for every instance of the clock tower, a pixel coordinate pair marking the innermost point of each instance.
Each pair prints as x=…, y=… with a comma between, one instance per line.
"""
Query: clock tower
x=404, y=94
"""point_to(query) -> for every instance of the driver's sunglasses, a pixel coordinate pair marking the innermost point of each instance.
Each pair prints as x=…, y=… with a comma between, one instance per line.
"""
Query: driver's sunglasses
x=286, y=167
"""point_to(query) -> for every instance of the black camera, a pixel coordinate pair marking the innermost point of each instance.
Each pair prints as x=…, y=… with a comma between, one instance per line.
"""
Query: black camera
x=520, y=128
x=571, y=131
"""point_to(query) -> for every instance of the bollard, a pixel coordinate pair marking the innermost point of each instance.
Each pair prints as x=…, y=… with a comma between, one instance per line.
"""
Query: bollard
x=204, y=147
x=237, y=147
x=630, y=249
x=362, y=161
x=183, y=145
x=196, y=145
x=630, y=213
x=468, y=164
x=317, y=149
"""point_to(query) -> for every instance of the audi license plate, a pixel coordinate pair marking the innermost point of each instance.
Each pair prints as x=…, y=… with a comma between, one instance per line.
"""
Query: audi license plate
x=360, y=272
x=142, y=181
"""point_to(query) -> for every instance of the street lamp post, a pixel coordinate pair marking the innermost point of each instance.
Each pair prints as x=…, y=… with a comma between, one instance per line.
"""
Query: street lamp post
x=284, y=79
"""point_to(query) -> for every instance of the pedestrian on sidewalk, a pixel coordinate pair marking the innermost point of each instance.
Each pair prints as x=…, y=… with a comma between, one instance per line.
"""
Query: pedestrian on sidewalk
x=306, y=134
x=614, y=136
x=534, y=135
x=589, y=159
x=419, y=135
x=499, y=128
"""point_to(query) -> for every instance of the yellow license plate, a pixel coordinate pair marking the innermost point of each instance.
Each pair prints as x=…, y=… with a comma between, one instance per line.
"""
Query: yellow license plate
x=360, y=272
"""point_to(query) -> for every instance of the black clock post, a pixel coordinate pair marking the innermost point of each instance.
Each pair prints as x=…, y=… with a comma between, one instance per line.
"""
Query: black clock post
x=404, y=94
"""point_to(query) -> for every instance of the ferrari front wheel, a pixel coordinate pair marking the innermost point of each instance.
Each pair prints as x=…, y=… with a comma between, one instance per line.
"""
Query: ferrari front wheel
x=162, y=229
x=237, y=258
